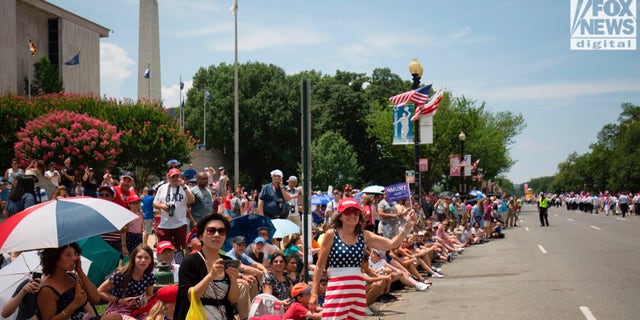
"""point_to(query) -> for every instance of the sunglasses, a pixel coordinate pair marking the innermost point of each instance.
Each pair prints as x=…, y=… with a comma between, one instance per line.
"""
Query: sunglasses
x=212, y=231
x=351, y=213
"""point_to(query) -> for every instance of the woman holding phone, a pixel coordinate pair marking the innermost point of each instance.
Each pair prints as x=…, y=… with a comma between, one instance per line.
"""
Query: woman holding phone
x=205, y=274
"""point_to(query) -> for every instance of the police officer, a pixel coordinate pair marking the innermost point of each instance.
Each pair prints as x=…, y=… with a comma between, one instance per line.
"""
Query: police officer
x=543, y=205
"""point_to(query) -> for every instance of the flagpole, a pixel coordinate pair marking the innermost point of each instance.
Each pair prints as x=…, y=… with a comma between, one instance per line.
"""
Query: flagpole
x=204, y=120
x=29, y=68
x=236, y=112
x=149, y=82
x=180, y=105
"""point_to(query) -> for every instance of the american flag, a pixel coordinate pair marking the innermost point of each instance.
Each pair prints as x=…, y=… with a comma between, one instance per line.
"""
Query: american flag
x=32, y=47
x=418, y=96
x=430, y=107
x=474, y=166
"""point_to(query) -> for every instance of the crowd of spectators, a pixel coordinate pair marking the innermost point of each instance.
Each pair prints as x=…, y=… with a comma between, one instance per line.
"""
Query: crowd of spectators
x=190, y=217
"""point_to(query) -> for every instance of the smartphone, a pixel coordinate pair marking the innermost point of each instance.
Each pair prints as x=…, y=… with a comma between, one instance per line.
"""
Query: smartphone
x=231, y=263
x=36, y=275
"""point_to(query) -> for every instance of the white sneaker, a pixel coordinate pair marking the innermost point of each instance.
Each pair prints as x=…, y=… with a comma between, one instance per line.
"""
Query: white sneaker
x=437, y=275
x=368, y=311
x=421, y=286
x=436, y=269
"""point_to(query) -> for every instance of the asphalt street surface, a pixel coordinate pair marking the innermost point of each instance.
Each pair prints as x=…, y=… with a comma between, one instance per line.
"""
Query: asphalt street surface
x=580, y=267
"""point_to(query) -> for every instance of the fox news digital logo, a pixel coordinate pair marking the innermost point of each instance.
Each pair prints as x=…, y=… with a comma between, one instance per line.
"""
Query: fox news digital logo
x=603, y=24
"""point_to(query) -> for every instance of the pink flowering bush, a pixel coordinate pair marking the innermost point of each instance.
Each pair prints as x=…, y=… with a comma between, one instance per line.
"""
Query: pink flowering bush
x=59, y=134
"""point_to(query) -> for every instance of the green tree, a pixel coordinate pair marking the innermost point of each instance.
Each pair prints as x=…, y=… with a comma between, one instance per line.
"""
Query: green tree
x=334, y=162
x=269, y=108
x=149, y=135
x=46, y=78
x=611, y=163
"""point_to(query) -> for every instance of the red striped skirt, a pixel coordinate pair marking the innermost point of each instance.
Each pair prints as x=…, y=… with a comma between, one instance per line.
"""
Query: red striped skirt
x=346, y=297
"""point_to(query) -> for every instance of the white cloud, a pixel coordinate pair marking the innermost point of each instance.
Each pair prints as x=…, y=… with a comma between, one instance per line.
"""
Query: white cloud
x=171, y=95
x=115, y=69
x=561, y=90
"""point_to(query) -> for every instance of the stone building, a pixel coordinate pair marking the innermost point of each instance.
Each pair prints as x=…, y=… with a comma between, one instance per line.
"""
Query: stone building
x=56, y=33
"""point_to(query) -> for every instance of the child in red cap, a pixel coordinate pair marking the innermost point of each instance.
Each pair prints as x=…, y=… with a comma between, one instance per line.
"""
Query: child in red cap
x=299, y=310
x=161, y=305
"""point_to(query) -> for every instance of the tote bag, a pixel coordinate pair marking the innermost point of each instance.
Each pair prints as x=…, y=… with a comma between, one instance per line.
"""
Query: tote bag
x=196, y=310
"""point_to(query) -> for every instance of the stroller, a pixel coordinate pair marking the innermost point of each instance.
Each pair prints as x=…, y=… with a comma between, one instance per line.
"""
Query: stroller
x=266, y=307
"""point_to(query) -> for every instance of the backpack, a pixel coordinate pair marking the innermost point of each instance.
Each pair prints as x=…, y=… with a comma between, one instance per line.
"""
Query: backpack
x=236, y=206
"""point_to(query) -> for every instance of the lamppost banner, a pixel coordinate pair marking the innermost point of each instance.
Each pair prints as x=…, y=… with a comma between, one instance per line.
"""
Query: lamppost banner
x=454, y=165
x=467, y=167
x=402, y=125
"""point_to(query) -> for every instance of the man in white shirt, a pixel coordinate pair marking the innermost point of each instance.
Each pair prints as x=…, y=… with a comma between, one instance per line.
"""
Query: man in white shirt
x=172, y=199
x=52, y=174
x=295, y=203
x=332, y=206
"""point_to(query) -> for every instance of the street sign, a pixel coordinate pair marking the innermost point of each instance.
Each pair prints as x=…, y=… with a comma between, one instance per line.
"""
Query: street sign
x=423, y=164
x=410, y=176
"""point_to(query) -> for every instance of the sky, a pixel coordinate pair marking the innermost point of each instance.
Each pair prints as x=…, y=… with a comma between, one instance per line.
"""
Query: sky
x=512, y=55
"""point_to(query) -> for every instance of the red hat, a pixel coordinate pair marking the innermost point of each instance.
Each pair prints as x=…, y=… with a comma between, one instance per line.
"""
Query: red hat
x=347, y=203
x=300, y=288
x=173, y=172
x=168, y=294
x=133, y=198
x=164, y=245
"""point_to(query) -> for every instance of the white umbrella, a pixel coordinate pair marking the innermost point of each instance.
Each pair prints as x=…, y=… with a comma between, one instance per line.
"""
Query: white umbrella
x=373, y=189
x=21, y=269
x=55, y=223
x=284, y=228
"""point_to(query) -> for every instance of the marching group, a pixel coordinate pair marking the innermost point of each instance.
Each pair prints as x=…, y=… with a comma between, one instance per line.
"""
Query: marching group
x=362, y=250
x=622, y=203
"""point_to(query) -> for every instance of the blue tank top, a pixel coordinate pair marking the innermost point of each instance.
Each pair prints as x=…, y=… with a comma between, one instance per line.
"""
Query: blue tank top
x=343, y=255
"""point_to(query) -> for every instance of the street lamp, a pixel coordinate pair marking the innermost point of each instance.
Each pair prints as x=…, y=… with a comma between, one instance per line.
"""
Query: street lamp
x=416, y=72
x=462, y=137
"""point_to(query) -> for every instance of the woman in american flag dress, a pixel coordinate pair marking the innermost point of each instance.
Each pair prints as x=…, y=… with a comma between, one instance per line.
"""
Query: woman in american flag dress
x=341, y=255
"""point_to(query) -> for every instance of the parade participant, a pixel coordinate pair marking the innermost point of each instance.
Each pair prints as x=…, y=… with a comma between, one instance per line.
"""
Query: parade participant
x=273, y=197
x=66, y=289
x=341, y=252
x=129, y=287
x=205, y=274
x=172, y=199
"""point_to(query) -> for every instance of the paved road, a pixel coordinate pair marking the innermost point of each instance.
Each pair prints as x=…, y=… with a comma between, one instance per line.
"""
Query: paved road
x=581, y=267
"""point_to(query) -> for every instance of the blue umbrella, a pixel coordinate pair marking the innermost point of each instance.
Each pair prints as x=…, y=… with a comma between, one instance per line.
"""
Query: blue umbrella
x=173, y=162
x=320, y=199
x=247, y=226
x=477, y=194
